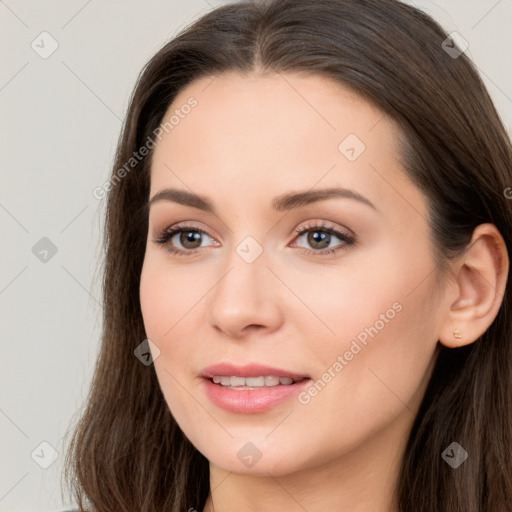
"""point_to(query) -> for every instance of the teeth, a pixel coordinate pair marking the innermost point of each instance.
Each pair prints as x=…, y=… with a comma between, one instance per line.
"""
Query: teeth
x=253, y=382
x=237, y=381
x=271, y=381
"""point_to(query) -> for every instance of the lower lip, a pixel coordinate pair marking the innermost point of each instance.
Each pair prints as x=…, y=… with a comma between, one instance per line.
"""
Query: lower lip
x=247, y=401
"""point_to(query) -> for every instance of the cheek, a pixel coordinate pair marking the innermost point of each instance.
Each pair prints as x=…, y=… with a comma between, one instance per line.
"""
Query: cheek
x=383, y=295
x=169, y=299
x=166, y=295
x=359, y=300
x=377, y=363
x=159, y=305
x=161, y=311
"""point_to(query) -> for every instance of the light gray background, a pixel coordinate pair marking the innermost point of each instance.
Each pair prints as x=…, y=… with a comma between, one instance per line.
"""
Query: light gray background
x=60, y=120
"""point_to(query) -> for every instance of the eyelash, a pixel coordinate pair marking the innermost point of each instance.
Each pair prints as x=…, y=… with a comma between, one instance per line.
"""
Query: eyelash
x=167, y=234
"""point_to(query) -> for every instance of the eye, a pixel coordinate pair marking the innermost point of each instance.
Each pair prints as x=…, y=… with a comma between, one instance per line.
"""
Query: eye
x=319, y=236
x=186, y=234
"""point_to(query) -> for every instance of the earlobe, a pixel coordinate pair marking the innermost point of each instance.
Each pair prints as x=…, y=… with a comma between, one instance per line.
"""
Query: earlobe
x=480, y=278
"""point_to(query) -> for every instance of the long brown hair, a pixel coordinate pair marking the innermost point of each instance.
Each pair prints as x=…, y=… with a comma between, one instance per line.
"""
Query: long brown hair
x=127, y=453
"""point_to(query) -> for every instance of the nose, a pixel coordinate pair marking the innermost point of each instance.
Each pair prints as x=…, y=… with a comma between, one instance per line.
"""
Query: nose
x=245, y=300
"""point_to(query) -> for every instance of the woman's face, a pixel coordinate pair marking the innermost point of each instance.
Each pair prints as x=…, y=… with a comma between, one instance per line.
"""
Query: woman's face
x=354, y=309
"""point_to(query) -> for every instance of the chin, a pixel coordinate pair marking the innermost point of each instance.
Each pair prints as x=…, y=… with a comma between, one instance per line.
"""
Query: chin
x=260, y=457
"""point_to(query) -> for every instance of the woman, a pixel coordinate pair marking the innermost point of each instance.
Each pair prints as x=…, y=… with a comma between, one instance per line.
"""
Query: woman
x=306, y=294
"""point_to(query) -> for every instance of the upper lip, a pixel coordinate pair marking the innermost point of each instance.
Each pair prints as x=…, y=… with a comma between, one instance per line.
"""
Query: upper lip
x=249, y=370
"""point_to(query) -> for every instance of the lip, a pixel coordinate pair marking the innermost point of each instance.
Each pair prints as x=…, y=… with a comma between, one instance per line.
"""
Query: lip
x=249, y=401
x=249, y=370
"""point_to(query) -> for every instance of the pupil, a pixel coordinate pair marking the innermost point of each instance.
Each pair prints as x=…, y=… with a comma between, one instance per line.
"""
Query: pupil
x=318, y=237
x=190, y=236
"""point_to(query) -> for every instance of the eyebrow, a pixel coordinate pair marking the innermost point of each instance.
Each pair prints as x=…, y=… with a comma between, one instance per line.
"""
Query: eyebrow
x=284, y=202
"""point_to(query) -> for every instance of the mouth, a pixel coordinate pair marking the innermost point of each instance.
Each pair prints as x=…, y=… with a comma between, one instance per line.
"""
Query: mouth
x=262, y=381
x=251, y=388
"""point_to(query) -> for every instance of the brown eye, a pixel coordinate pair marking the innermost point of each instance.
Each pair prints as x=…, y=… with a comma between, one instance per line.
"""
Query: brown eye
x=319, y=237
x=190, y=237
x=182, y=239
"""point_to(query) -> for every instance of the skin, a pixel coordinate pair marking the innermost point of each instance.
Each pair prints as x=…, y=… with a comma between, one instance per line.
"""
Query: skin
x=250, y=139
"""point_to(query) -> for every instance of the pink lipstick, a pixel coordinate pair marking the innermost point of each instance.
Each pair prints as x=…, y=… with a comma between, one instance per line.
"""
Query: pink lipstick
x=251, y=388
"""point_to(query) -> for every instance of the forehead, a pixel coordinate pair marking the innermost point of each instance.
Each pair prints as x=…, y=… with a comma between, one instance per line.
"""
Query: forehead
x=265, y=135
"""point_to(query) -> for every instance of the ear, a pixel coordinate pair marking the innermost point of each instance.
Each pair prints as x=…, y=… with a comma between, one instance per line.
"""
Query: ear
x=480, y=278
